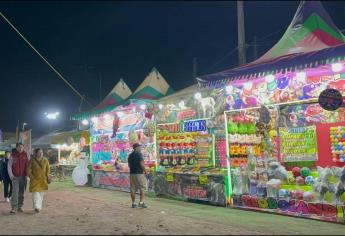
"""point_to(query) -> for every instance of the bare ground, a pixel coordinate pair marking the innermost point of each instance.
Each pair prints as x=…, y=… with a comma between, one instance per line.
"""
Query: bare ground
x=84, y=210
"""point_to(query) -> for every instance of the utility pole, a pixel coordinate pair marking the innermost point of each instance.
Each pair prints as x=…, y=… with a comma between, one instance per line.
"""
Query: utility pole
x=195, y=68
x=100, y=86
x=255, y=48
x=241, y=34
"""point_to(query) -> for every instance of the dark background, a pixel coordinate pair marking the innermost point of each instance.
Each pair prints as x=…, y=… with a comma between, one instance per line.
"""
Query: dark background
x=86, y=40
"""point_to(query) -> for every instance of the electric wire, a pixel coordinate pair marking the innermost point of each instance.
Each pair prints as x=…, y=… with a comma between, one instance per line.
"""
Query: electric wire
x=42, y=57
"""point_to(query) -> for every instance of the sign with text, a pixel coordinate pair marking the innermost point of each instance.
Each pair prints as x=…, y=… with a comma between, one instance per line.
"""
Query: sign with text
x=195, y=125
x=298, y=144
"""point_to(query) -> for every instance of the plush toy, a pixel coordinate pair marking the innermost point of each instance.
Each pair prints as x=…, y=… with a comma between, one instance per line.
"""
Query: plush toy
x=340, y=186
x=273, y=187
x=277, y=171
x=323, y=185
x=296, y=171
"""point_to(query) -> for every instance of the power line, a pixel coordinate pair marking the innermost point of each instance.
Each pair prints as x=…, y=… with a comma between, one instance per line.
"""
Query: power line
x=40, y=55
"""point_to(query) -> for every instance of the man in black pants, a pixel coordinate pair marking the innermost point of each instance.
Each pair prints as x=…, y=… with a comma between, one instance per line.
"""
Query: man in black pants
x=5, y=178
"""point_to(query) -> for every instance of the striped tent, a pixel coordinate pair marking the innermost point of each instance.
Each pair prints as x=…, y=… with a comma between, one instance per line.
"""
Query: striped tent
x=311, y=39
x=311, y=29
x=117, y=95
x=153, y=87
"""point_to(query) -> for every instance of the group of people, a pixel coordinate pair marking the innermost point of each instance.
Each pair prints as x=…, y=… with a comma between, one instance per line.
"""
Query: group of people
x=16, y=168
x=14, y=171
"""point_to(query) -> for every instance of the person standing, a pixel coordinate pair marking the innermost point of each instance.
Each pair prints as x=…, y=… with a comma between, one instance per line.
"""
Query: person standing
x=17, y=172
x=5, y=177
x=137, y=177
x=39, y=173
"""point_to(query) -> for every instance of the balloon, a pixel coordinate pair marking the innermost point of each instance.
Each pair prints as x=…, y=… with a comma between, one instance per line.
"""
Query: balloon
x=305, y=171
x=283, y=193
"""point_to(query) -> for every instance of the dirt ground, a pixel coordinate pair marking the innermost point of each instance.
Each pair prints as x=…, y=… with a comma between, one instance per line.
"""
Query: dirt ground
x=85, y=210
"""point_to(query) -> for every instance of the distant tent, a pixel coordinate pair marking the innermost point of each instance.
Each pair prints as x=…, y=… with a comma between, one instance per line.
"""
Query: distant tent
x=153, y=87
x=117, y=95
x=312, y=38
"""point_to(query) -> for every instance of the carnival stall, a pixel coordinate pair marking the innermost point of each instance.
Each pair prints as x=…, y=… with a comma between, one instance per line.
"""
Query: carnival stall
x=117, y=124
x=284, y=150
x=191, y=147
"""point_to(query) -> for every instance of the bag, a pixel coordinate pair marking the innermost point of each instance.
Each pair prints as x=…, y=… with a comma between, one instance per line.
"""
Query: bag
x=49, y=177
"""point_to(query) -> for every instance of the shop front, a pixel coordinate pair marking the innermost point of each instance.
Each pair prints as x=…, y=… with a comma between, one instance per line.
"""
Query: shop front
x=191, y=150
x=112, y=136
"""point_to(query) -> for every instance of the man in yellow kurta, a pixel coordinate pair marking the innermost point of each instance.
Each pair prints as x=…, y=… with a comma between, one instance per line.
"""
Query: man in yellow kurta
x=39, y=173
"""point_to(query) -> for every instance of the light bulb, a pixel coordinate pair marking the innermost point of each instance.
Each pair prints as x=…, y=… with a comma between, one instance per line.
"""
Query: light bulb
x=337, y=67
x=197, y=96
x=229, y=89
x=160, y=106
x=85, y=122
x=269, y=78
x=143, y=107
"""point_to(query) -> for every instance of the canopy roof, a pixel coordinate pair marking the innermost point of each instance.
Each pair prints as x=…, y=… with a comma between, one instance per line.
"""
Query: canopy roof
x=307, y=42
x=118, y=94
x=153, y=87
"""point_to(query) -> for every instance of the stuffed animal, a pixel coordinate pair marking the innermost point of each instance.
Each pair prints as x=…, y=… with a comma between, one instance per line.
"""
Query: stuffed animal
x=340, y=186
x=277, y=171
x=323, y=185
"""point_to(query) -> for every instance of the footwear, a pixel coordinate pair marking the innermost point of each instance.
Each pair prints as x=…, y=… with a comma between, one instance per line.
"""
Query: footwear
x=134, y=205
x=7, y=200
x=37, y=210
x=142, y=205
x=20, y=210
x=13, y=211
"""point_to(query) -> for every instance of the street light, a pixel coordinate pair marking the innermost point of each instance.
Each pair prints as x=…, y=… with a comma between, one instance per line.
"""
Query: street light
x=24, y=125
x=51, y=115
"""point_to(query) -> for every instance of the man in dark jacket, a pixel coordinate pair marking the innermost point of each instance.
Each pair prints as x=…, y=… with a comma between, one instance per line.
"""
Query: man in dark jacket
x=17, y=171
x=5, y=178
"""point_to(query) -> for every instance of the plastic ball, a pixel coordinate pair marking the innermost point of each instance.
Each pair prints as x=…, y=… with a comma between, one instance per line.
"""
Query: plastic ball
x=299, y=194
x=296, y=171
x=305, y=171
x=308, y=196
x=291, y=179
x=283, y=193
x=300, y=180
x=309, y=180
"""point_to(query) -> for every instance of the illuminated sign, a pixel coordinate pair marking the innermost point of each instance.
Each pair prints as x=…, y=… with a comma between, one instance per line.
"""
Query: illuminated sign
x=196, y=125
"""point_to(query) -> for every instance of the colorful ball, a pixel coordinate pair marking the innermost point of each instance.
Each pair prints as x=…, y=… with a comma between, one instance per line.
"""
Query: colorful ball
x=305, y=171
x=296, y=171
x=300, y=180
x=291, y=179
x=309, y=180
x=283, y=193
x=299, y=194
x=308, y=196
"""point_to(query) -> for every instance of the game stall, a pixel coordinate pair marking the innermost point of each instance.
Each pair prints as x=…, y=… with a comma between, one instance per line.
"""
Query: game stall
x=113, y=136
x=122, y=119
x=285, y=123
x=190, y=147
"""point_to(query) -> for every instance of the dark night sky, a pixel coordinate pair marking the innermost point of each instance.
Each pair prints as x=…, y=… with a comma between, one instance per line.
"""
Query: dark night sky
x=122, y=40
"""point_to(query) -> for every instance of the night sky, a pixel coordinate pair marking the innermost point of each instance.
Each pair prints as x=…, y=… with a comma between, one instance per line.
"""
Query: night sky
x=113, y=40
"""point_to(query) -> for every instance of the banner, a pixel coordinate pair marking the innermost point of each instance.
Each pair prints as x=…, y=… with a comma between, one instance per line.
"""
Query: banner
x=25, y=138
x=298, y=144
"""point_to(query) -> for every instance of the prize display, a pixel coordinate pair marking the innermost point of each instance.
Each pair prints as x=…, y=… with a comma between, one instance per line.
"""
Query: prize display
x=337, y=136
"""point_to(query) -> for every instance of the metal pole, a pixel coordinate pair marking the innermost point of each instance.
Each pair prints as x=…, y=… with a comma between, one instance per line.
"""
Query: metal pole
x=195, y=68
x=241, y=33
x=255, y=48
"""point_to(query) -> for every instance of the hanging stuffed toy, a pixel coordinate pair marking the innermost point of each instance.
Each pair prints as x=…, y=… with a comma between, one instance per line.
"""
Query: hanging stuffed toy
x=116, y=125
x=340, y=186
